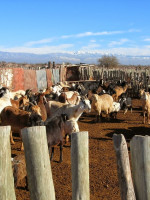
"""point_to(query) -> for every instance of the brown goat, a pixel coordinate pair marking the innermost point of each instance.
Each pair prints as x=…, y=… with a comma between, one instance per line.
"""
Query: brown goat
x=41, y=104
x=20, y=102
x=119, y=90
x=19, y=119
x=74, y=99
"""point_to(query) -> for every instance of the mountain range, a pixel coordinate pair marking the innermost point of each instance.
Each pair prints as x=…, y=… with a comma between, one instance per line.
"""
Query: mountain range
x=74, y=58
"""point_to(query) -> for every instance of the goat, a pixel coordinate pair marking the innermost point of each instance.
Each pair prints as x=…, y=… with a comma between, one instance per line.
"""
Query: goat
x=126, y=102
x=20, y=103
x=4, y=98
x=101, y=103
x=73, y=113
x=52, y=106
x=19, y=119
x=119, y=90
x=116, y=108
x=55, y=133
x=41, y=104
x=71, y=97
x=145, y=100
x=17, y=94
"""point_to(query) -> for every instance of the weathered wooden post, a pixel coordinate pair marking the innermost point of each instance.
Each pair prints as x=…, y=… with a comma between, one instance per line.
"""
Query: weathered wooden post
x=123, y=166
x=7, y=190
x=140, y=161
x=38, y=163
x=80, y=166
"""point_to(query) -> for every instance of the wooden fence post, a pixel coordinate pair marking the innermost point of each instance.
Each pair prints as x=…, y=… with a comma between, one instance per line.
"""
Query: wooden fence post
x=7, y=190
x=80, y=166
x=38, y=163
x=123, y=166
x=140, y=161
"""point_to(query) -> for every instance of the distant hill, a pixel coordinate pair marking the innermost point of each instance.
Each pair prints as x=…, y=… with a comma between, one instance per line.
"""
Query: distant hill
x=74, y=58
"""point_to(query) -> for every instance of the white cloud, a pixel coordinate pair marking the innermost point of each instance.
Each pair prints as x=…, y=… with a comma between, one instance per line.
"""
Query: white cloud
x=38, y=50
x=91, y=34
x=147, y=39
x=43, y=41
x=120, y=42
x=85, y=34
x=93, y=41
x=90, y=47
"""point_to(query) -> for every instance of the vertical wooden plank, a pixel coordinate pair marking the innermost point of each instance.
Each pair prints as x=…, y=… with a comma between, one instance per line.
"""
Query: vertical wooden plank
x=123, y=166
x=7, y=191
x=38, y=163
x=80, y=166
x=140, y=160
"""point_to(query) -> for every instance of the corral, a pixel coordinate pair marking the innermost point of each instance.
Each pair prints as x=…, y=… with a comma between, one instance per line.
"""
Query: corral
x=104, y=182
x=103, y=168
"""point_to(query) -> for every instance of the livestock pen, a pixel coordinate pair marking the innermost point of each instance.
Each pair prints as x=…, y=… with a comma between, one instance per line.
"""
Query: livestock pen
x=18, y=76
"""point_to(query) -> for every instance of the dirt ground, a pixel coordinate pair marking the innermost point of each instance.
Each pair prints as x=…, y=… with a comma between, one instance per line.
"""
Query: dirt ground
x=102, y=160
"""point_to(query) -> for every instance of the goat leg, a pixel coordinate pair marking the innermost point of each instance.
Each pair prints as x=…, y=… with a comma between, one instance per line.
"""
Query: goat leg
x=11, y=138
x=52, y=153
x=61, y=150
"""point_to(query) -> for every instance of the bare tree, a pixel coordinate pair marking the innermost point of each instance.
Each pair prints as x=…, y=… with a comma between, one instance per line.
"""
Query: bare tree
x=108, y=61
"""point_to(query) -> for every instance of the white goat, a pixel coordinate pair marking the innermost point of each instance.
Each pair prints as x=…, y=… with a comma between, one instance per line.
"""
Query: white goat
x=17, y=94
x=4, y=98
x=101, y=103
x=73, y=112
x=52, y=106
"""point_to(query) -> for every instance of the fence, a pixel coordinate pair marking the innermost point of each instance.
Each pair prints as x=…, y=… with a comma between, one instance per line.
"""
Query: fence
x=139, y=188
x=38, y=165
x=20, y=78
x=23, y=78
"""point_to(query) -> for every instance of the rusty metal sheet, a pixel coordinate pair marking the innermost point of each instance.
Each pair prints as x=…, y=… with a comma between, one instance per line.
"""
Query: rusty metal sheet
x=41, y=79
x=30, y=81
x=56, y=76
x=49, y=77
x=18, y=79
x=6, y=77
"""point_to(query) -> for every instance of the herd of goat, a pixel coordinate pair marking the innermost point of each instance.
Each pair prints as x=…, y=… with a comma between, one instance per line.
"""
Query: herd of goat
x=59, y=108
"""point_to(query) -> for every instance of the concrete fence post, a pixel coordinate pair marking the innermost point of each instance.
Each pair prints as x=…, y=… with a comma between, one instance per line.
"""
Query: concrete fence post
x=80, y=166
x=7, y=190
x=140, y=161
x=38, y=163
x=123, y=166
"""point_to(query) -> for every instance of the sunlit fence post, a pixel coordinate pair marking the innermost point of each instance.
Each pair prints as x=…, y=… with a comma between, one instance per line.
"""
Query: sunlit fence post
x=123, y=165
x=80, y=166
x=7, y=190
x=140, y=161
x=38, y=163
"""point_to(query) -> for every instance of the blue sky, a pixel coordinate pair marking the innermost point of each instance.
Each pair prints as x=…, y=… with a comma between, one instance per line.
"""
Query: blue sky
x=46, y=26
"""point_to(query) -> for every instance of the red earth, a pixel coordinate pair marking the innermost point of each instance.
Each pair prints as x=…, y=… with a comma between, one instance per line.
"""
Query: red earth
x=104, y=183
